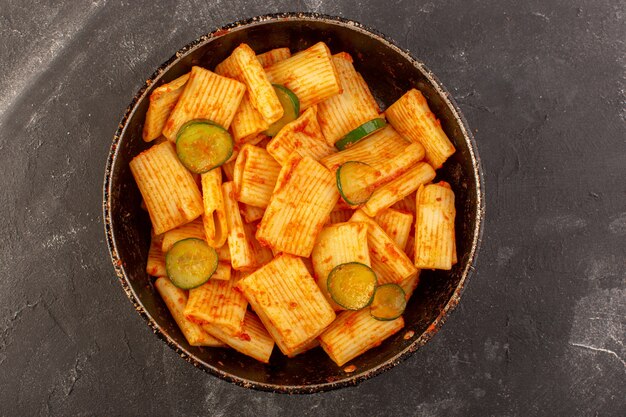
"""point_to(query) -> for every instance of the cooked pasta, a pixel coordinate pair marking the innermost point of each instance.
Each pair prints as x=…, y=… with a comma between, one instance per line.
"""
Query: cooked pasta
x=337, y=244
x=397, y=224
x=434, y=227
x=162, y=102
x=194, y=229
x=241, y=251
x=412, y=117
x=214, y=219
x=288, y=302
x=273, y=56
x=156, y=258
x=355, y=105
x=206, y=96
x=254, y=176
x=253, y=341
x=302, y=135
x=310, y=74
x=168, y=189
x=355, y=332
x=304, y=196
x=176, y=299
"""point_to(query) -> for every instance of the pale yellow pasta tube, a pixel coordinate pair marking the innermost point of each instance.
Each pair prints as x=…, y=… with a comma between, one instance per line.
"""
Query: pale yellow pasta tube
x=248, y=122
x=338, y=244
x=273, y=56
x=411, y=116
x=253, y=341
x=156, y=257
x=194, y=229
x=355, y=332
x=254, y=176
x=217, y=302
x=340, y=114
x=262, y=94
x=397, y=224
x=434, y=227
x=302, y=135
x=389, y=262
x=168, y=189
x=229, y=168
x=206, y=96
x=288, y=302
x=176, y=299
x=310, y=74
x=396, y=190
x=304, y=196
x=223, y=272
x=214, y=220
x=162, y=102
x=241, y=251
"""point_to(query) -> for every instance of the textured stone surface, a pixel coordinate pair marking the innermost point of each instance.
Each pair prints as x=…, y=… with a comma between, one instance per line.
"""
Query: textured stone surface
x=541, y=327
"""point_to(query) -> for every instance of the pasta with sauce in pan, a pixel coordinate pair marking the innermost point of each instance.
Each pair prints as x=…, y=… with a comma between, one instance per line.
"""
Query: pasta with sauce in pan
x=286, y=208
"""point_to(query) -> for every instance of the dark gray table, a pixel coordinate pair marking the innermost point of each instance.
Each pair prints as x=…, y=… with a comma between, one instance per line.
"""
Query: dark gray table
x=541, y=327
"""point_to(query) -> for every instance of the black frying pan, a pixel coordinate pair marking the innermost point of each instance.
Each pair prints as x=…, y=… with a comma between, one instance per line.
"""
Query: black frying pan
x=390, y=72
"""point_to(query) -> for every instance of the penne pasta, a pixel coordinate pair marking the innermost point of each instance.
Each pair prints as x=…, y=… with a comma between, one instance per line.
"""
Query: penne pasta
x=338, y=244
x=397, y=224
x=304, y=196
x=214, y=219
x=162, y=102
x=355, y=332
x=254, y=176
x=218, y=303
x=156, y=258
x=412, y=117
x=288, y=302
x=194, y=229
x=388, y=261
x=434, y=227
x=399, y=188
x=168, y=189
x=273, y=56
x=310, y=74
x=176, y=299
x=206, y=96
x=302, y=135
x=253, y=341
x=241, y=251
x=340, y=114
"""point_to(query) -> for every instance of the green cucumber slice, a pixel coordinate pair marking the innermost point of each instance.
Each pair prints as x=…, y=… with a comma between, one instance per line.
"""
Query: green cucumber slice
x=389, y=302
x=202, y=145
x=353, y=182
x=291, y=107
x=190, y=263
x=352, y=285
x=360, y=132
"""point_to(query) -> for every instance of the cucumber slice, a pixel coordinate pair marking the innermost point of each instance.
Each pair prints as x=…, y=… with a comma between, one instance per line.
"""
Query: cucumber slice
x=360, y=132
x=352, y=285
x=291, y=107
x=389, y=302
x=202, y=145
x=190, y=263
x=353, y=183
